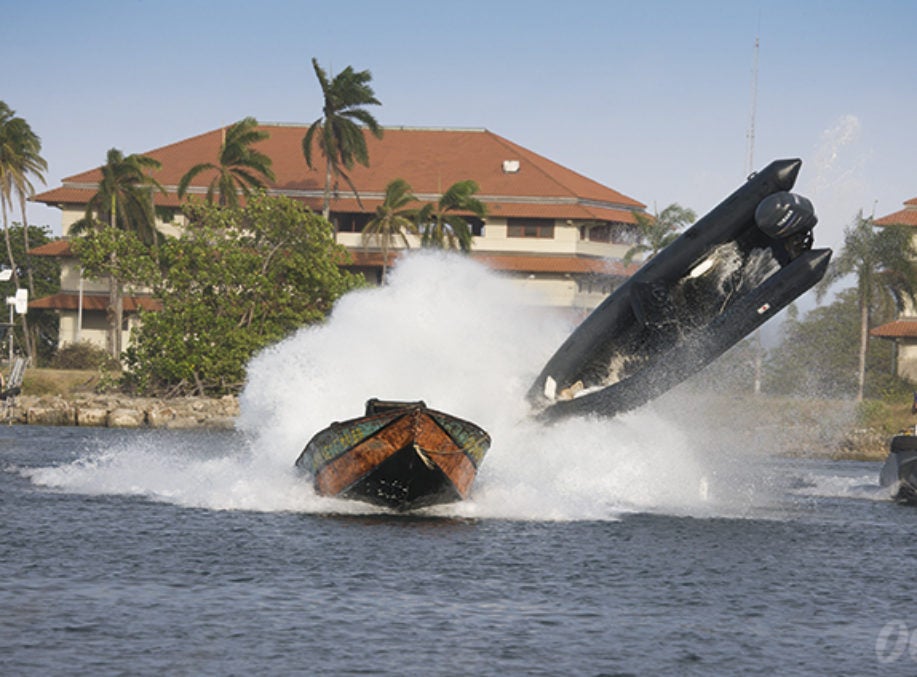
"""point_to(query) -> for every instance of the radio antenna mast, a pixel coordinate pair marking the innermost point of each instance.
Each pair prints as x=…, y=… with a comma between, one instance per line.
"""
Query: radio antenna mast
x=750, y=134
x=749, y=168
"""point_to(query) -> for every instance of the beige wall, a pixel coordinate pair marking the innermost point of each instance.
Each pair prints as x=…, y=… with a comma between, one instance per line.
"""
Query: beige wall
x=566, y=240
x=566, y=292
x=907, y=359
x=562, y=291
x=94, y=329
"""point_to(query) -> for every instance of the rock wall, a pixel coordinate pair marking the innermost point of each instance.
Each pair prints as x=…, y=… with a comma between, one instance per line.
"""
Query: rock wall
x=118, y=411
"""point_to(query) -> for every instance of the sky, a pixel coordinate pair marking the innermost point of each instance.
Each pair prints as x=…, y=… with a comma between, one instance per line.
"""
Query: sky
x=652, y=98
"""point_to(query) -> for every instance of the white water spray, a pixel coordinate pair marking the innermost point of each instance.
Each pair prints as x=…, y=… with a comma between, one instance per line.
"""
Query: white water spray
x=838, y=185
x=447, y=331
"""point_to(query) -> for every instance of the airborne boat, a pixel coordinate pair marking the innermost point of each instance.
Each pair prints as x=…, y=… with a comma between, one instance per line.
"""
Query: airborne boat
x=725, y=276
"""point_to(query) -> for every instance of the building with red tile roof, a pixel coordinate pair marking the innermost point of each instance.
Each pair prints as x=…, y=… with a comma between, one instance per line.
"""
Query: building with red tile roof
x=903, y=217
x=902, y=331
x=547, y=226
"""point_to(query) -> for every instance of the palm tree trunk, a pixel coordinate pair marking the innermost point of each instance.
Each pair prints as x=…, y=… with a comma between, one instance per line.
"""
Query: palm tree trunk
x=115, y=302
x=115, y=315
x=864, y=338
x=326, y=203
x=31, y=338
x=25, y=238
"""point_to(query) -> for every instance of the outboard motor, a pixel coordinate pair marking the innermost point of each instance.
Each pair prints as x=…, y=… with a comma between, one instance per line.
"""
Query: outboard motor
x=784, y=214
x=788, y=218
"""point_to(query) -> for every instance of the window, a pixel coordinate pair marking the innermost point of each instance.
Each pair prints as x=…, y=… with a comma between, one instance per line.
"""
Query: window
x=617, y=233
x=538, y=228
x=599, y=233
x=351, y=222
x=166, y=214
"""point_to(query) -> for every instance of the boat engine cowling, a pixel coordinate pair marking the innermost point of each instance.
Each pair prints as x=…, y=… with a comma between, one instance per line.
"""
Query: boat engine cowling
x=783, y=215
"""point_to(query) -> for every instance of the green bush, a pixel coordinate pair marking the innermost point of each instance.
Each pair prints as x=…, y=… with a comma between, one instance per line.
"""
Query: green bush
x=83, y=355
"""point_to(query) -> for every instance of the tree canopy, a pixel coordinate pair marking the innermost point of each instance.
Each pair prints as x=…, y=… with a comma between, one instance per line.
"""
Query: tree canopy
x=124, y=198
x=818, y=355
x=123, y=202
x=659, y=231
x=392, y=221
x=339, y=130
x=240, y=168
x=442, y=225
x=237, y=280
x=881, y=260
x=20, y=162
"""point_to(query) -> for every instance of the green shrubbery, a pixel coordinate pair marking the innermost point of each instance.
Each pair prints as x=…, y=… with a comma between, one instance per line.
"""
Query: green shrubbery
x=237, y=280
x=83, y=355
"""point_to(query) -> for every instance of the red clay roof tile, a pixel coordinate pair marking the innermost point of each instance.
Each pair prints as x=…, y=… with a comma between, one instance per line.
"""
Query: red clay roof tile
x=71, y=301
x=53, y=248
x=429, y=159
x=896, y=329
x=904, y=217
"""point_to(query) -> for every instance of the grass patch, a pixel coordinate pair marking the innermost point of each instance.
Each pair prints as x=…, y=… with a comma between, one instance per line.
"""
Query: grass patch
x=61, y=382
x=889, y=418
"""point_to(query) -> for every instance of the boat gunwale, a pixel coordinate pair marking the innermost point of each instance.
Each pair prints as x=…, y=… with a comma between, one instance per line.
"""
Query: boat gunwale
x=316, y=455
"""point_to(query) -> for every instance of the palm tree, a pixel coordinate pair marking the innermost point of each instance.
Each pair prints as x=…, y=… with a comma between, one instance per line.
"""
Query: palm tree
x=20, y=158
x=882, y=262
x=239, y=169
x=340, y=134
x=393, y=220
x=442, y=226
x=124, y=196
x=124, y=200
x=660, y=231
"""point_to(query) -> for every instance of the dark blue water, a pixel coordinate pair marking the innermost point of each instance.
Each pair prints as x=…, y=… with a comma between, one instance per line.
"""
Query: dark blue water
x=103, y=578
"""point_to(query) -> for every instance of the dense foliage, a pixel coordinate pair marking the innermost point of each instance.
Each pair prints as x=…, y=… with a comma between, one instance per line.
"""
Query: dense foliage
x=819, y=354
x=881, y=260
x=83, y=355
x=237, y=280
x=20, y=163
x=240, y=167
x=659, y=231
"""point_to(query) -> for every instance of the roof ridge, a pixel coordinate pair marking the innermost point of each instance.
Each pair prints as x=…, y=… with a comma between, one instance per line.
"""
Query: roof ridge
x=405, y=128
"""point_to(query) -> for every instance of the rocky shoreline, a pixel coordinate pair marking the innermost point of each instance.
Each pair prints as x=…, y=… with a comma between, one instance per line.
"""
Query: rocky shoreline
x=119, y=411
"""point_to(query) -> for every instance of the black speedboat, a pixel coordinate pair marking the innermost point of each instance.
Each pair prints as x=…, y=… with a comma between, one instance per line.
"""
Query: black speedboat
x=899, y=474
x=719, y=281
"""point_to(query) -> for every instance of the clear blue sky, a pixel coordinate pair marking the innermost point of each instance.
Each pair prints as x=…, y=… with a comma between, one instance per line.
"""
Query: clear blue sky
x=652, y=98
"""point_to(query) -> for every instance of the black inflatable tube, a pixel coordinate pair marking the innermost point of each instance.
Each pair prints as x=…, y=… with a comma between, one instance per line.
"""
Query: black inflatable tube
x=732, y=220
x=690, y=356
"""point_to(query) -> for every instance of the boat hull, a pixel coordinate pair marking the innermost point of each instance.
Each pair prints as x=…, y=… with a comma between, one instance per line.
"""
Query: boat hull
x=720, y=280
x=899, y=473
x=400, y=455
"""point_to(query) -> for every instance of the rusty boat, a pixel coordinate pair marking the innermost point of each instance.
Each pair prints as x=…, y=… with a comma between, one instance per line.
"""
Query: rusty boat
x=401, y=455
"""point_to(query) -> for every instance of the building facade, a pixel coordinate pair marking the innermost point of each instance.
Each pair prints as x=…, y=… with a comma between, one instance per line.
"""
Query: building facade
x=547, y=227
x=903, y=331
